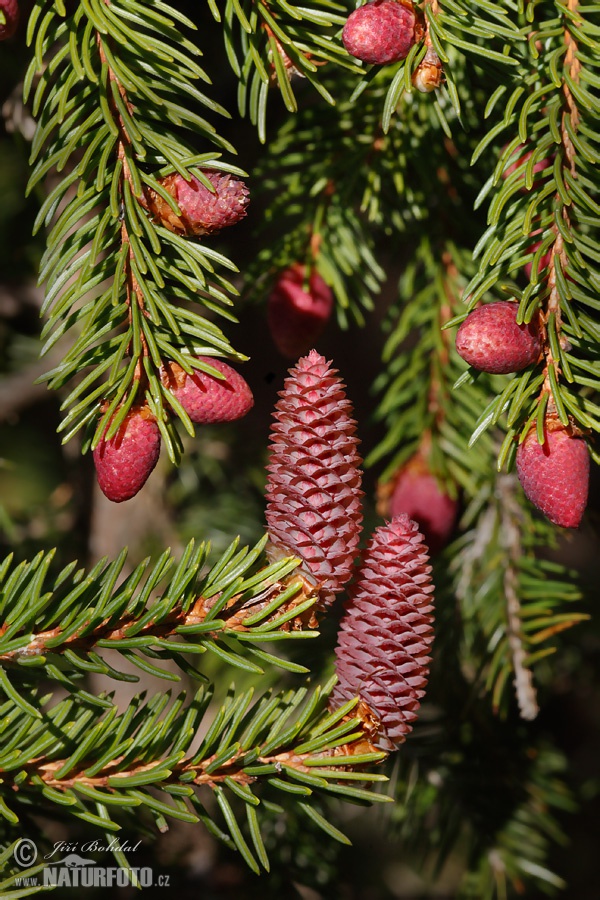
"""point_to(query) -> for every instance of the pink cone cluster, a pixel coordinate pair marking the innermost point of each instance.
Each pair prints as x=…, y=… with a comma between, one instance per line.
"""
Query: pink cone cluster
x=313, y=489
x=381, y=32
x=297, y=313
x=555, y=475
x=202, y=211
x=125, y=461
x=386, y=633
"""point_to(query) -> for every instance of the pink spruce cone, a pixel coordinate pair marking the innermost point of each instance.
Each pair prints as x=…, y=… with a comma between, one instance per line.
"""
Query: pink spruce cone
x=555, y=475
x=386, y=634
x=297, y=317
x=124, y=463
x=382, y=31
x=207, y=399
x=417, y=494
x=313, y=490
x=202, y=212
x=490, y=340
x=10, y=10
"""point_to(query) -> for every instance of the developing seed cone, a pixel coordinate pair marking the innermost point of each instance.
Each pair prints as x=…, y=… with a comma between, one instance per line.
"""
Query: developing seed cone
x=418, y=494
x=202, y=212
x=10, y=9
x=296, y=317
x=124, y=463
x=207, y=399
x=386, y=633
x=490, y=340
x=555, y=475
x=382, y=31
x=313, y=490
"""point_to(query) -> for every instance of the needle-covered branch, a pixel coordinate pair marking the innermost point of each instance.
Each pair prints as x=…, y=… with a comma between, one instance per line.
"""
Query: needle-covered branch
x=105, y=768
x=114, y=88
x=162, y=610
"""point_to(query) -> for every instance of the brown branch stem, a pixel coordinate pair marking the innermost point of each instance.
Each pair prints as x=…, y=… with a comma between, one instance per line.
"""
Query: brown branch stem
x=235, y=613
x=570, y=114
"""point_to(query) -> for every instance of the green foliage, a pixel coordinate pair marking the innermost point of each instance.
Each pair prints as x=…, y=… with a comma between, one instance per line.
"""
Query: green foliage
x=114, y=89
x=103, y=768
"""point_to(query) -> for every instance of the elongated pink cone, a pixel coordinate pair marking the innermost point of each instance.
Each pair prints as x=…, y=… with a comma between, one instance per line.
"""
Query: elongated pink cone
x=202, y=211
x=417, y=494
x=11, y=12
x=314, y=506
x=380, y=32
x=207, y=399
x=555, y=475
x=490, y=340
x=296, y=317
x=386, y=633
x=124, y=463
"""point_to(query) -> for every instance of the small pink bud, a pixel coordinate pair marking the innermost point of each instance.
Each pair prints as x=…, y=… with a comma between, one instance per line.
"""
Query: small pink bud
x=490, y=340
x=296, y=316
x=124, y=463
x=202, y=211
x=381, y=32
x=417, y=494
x=555, y=475
x=386, y=633
x=207, y=399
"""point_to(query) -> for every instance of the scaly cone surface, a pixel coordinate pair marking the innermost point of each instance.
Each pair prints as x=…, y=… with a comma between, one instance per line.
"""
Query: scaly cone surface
x=490, y=339
x=125, y=461
x=555, y=475
x=381, y=32
x=207, y=399
x=386, y=633
x=202, y=211
x=313, y=489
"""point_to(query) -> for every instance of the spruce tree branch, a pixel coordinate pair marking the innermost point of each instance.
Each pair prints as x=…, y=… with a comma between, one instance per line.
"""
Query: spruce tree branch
x=552, y=306
x=123, y=142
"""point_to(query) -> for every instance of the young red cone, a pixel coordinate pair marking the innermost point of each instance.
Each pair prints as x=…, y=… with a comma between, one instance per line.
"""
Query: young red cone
x=202, y=211
x=490, y=340
x=207, y=399
x=313, y=490
x=296, y=317
x=386, y=634
x=125, y=461
x=9, y=9
x=417, y=494
x=555, y=475
x=382, y=31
